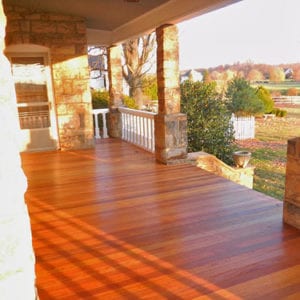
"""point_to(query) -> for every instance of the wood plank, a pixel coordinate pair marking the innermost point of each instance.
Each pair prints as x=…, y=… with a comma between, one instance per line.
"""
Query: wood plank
x=111, y=223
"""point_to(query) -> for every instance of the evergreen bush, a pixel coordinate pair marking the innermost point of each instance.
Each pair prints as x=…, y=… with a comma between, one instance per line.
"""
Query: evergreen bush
x=265, y=96
x=209, y=127
x=242, y=98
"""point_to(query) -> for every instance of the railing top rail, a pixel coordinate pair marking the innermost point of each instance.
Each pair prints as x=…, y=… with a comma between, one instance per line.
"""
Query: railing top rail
x=100, y=110
x=140, y=113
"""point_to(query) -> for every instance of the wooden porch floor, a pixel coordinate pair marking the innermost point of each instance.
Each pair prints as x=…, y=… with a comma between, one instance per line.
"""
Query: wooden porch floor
x=110, y=223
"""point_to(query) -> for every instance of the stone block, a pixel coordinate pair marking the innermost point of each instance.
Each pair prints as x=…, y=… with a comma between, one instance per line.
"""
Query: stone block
x=170, y=137
x=44, y=27
x=33, y=16
x=114, y=123
x=64, y=49
x=291, y=213
x=14, y=26
x=13, y=15
x=24, y=26
x=81, y=49
x=66, y=27
x=81, y=27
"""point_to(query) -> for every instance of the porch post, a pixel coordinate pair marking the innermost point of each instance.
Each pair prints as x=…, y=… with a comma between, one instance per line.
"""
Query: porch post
x=170, y=124
x=115, y=91
x=291, y=207
x=16, y=254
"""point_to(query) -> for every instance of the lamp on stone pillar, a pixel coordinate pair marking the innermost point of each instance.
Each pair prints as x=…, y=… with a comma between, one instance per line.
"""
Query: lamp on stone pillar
x=115, y=77
x=170, y=124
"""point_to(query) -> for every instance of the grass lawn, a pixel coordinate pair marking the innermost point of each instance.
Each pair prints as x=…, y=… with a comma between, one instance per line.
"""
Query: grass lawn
x=269, y=150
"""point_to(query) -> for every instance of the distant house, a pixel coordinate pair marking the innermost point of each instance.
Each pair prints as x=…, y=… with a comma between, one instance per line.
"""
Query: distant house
x=288, y=73
x=192, y=75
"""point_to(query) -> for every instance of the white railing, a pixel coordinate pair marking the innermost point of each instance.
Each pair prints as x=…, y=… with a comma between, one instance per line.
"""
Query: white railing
x=244, y=127
x=138, y=128
x=287, y=100
x=96, y=113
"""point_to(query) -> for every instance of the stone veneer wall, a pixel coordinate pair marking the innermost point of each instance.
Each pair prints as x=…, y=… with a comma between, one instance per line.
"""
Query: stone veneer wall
x=291, y=207
x=65, y=37
x=210, y=163
x=17, y=278
x=170, y=124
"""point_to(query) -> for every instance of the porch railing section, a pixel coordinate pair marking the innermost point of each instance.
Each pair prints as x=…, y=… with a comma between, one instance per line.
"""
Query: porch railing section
x=100, y=129
x=244, y=127
x=138, y=128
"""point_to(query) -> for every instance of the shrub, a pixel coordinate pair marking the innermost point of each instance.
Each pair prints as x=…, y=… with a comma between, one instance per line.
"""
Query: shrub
x=100, y=99
x=292, y=92
x=276, y=111
x=242, y=98
x=283, y=113
x=279, y=112
x=265, y=96
x=209, y=127
x=129, y=102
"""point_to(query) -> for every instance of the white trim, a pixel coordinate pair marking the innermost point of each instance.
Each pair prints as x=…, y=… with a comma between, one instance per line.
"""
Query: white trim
x=28, y=50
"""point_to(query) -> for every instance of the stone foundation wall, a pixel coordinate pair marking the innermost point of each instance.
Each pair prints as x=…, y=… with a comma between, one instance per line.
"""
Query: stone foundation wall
x=291, y=207
x=208, y=162
x=65, y=37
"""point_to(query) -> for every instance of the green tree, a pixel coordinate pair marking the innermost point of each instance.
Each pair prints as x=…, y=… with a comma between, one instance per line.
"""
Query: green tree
x=242, y=98
x=265, y=96
x=209, y=127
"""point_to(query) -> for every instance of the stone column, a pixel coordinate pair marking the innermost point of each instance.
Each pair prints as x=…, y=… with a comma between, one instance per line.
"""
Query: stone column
x=115, y=77
x=17, y=278
x=291, y=207
x=170, y=124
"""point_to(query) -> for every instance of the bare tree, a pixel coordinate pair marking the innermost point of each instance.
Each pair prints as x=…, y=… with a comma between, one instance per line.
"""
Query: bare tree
x=98, y=63
x=138, y=60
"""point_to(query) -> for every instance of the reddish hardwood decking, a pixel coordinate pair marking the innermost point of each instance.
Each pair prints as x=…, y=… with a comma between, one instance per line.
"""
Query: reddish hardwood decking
x=111, y=223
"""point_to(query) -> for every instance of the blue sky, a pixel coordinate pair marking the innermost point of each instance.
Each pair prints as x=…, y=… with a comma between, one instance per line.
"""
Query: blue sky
x=263, y=31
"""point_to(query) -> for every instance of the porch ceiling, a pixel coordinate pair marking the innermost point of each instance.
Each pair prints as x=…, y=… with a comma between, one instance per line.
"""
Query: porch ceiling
x=114, y=21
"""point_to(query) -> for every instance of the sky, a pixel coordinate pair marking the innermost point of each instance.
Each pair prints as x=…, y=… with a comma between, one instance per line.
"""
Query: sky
x=262, y=31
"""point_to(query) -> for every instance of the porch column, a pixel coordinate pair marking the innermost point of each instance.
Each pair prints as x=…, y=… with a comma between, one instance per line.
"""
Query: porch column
x=115, y=77
x=291, y=207
x=170, y=124
x=16, y=254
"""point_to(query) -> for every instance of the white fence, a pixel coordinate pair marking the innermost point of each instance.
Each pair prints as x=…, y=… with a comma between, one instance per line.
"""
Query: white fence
x=100, y=128
x=287, y=100
x=244, y=127
x=138, y=128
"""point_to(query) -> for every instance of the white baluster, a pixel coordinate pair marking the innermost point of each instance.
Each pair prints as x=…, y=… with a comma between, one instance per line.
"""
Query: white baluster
x=105, y=135
x=97, y=131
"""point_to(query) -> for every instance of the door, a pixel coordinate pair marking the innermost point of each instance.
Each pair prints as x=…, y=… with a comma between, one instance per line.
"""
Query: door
x=37, y=119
